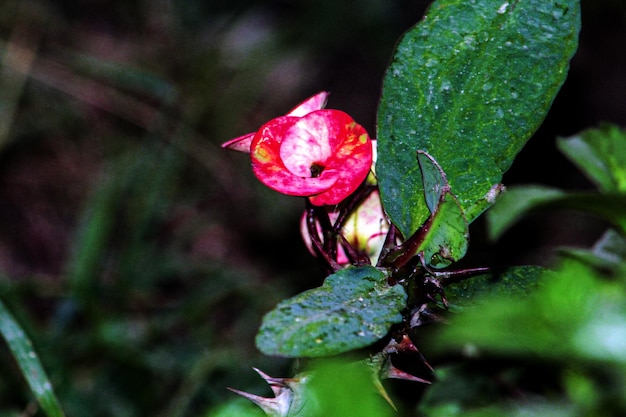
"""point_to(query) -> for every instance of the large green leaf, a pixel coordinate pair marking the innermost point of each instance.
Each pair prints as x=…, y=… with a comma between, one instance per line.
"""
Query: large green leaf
x=353, y=308
x=469, y=85
x=28, y=361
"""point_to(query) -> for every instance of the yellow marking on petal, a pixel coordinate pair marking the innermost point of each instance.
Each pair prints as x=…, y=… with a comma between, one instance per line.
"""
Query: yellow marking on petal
x=363, y=138
x=262, y=155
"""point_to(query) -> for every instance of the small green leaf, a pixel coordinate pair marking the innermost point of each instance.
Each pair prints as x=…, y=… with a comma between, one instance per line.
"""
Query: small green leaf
x=600, y=154
x=448, y=236
x=353, y=308
x=28, y=361
x=469, y=85
x=434, y=179
x=444, y=236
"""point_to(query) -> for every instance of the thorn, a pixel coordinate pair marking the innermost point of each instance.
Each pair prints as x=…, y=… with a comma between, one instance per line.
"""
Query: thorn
x=277, y=385
x=279, y=405
x=383, y=393
x=391, y=372
x=273, y=407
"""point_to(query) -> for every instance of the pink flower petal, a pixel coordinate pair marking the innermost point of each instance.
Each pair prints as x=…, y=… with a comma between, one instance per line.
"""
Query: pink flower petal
x=270, y=169
x=351, y=155
x=316, y=102
x=306, y=144
x=240, y=144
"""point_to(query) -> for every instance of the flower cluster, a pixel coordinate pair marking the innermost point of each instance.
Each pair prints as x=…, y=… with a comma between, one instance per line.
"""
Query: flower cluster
x=324, y=155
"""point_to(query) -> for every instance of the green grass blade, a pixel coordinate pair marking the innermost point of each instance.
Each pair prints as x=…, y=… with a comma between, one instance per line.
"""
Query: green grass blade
x=28, y=361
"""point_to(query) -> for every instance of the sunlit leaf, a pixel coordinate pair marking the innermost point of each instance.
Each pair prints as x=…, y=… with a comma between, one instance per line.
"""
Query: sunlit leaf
x=346, y=389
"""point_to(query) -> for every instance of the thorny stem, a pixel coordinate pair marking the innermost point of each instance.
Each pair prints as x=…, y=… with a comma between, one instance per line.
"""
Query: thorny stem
x=326, y=245
x=389, y=244
x=400, y=255
x=331, y=264
x=348, y=207
x=328, y=234
x=450, y=277
x=356, y=258
x=351, y=204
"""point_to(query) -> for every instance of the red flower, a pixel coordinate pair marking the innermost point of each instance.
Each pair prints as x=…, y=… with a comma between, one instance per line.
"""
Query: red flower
x=310, y=152
x=324, y=155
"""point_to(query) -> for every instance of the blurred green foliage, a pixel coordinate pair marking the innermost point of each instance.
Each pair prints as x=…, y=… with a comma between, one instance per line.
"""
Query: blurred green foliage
x=138, y=255
x=558, y=348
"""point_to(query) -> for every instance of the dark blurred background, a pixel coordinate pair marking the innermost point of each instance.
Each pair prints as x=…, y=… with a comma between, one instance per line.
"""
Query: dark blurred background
x=137, y=253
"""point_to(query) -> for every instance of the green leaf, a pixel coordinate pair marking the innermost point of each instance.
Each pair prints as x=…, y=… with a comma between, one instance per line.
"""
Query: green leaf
x=519, y=201
x=345, y=389
x=515, y=281
x=237, y=408
x=514, y=204
x=469, y=85
x=353, y=308
x=28, y=361
x=600, y=154
x=448, y=236
x=434, y=180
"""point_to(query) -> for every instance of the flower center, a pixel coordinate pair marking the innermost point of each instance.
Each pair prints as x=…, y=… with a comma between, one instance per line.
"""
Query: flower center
x=316, y=169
